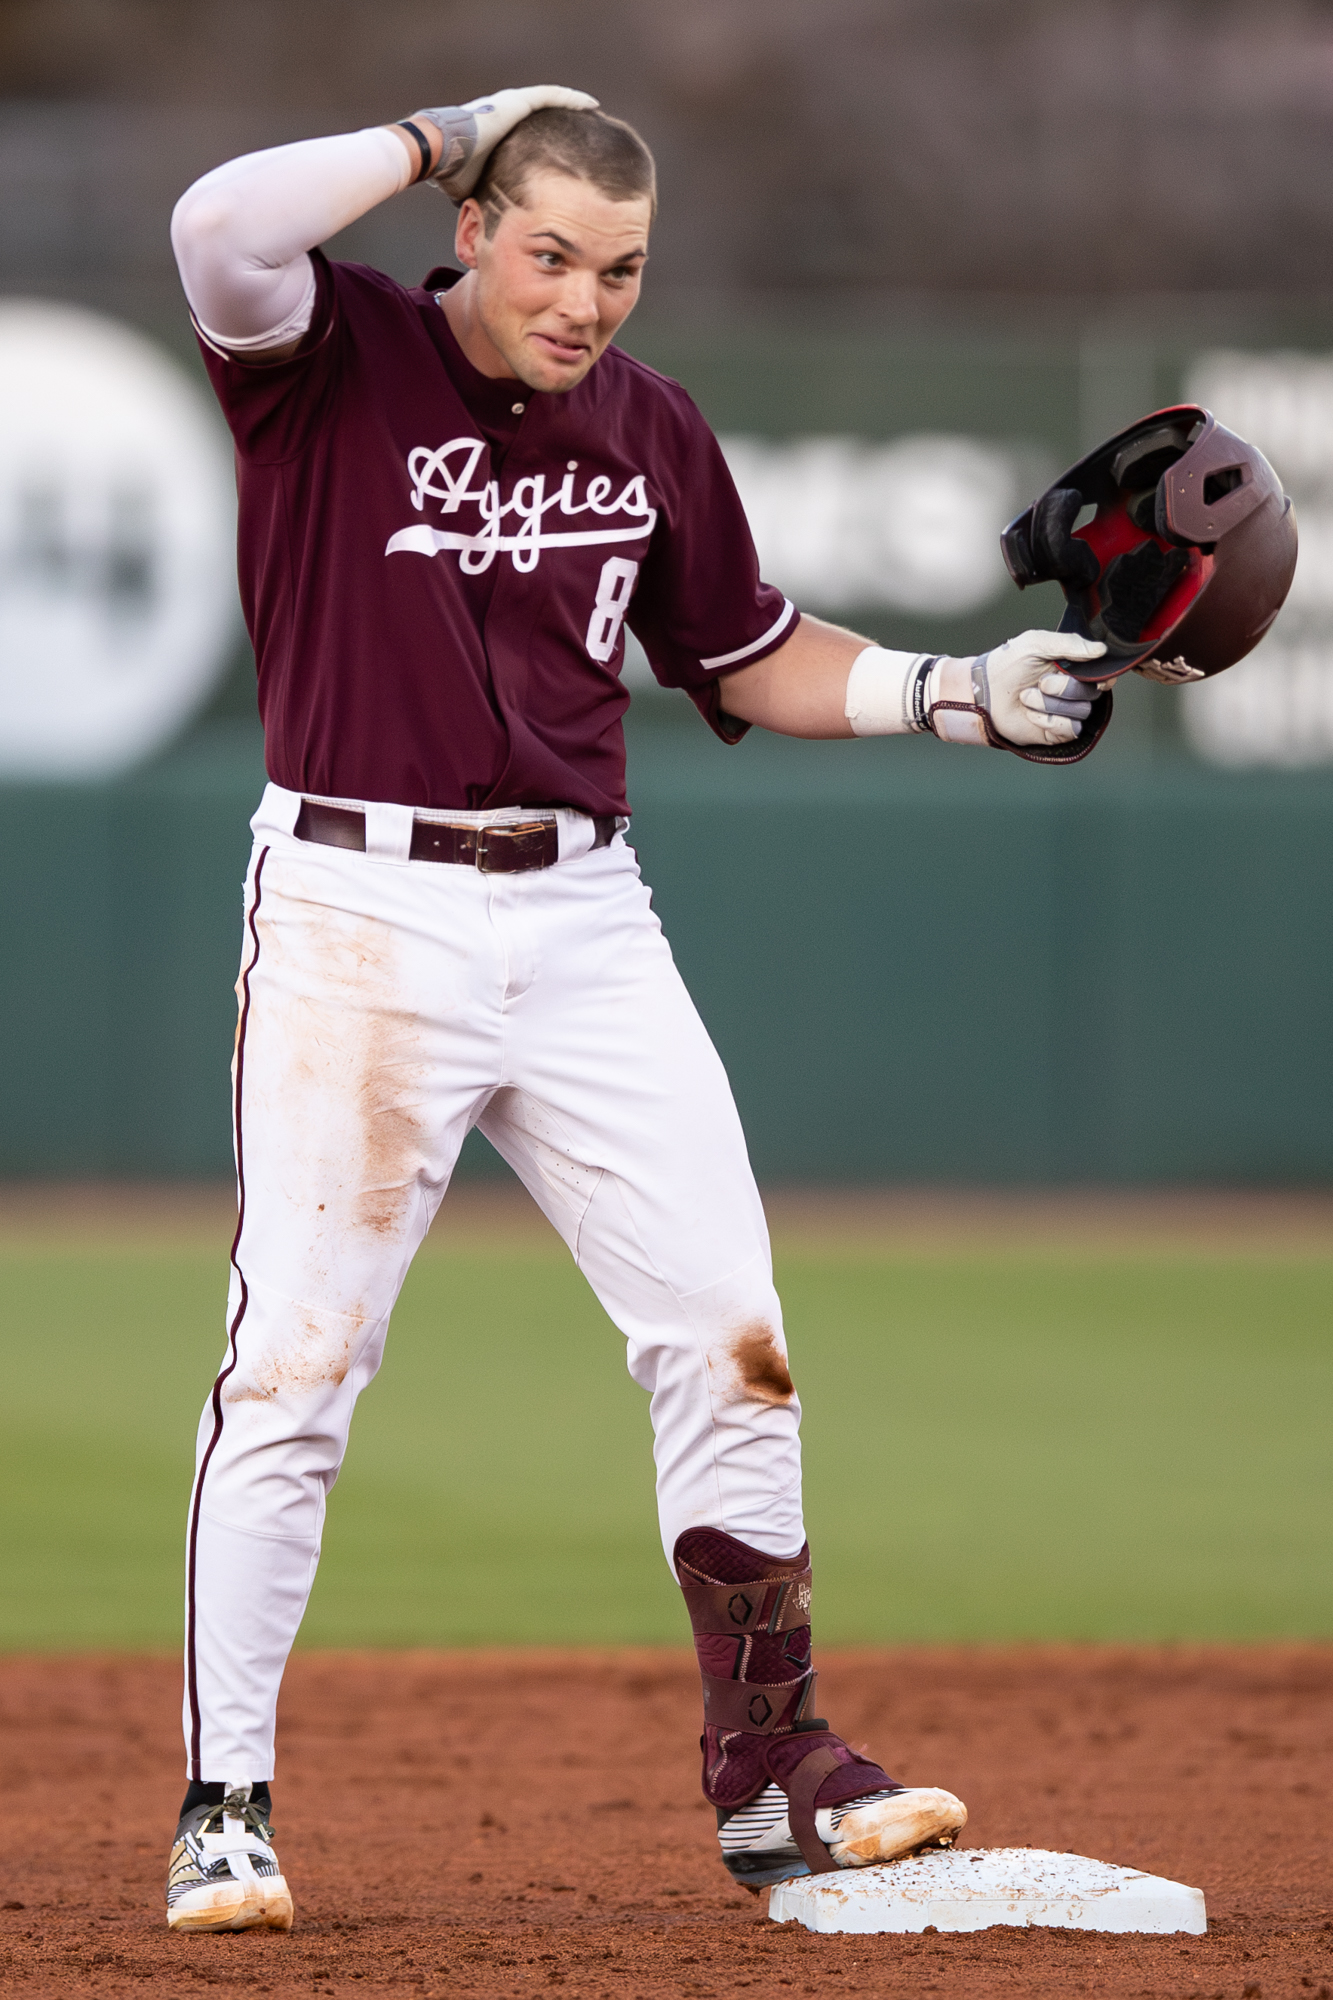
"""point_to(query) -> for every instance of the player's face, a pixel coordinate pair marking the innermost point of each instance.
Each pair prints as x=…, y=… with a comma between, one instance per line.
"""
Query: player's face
x=558, y=278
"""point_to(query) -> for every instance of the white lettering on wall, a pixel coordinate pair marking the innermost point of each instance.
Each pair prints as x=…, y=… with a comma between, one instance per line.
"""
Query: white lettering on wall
x=844, y=524
x=118, y=603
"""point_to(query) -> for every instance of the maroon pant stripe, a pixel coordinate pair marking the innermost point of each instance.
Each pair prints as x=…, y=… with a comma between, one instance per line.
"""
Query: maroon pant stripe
x=191, y=1561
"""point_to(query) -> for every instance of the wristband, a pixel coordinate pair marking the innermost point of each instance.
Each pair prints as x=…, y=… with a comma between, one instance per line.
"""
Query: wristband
x=920, y=692
x=406, y=125
x=882, y=697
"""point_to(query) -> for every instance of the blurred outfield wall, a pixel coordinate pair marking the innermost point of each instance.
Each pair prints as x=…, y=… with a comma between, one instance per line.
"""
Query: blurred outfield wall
x=879, y=937
x=877, y=934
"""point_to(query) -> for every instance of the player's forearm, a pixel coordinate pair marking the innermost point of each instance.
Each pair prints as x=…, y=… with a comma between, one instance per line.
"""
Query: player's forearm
x=826, y=682
x=242, y=233
x=801, y=689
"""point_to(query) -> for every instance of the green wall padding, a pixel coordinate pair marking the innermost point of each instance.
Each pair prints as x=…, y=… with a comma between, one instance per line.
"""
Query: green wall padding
x=918, y=963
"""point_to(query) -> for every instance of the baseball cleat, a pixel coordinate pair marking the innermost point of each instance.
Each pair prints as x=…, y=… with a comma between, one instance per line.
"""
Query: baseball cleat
x=758, y=1846
x=888, y=1826
x=223, y=1874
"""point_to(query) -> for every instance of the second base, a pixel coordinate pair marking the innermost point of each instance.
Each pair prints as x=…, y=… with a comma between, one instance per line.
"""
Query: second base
x=973, y=1888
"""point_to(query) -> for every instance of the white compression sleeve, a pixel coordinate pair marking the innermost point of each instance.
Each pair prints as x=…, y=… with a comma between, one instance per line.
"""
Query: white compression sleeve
x=879, y=693
x=242, y=233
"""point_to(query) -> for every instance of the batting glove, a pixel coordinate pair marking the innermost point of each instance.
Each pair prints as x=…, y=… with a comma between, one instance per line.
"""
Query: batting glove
x=473, y=131
x=1028, y=703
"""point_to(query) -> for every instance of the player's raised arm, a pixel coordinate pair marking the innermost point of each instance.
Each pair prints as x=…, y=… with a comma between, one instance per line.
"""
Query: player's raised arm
x=243, y=232
x=827, y=682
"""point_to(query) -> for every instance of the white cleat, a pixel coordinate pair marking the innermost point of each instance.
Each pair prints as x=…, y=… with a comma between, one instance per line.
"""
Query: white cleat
x=887, y=1828
x=759, y=1848
x=223, y=1874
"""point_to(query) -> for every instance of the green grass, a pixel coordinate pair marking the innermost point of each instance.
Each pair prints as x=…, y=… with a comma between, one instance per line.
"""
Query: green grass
x=1121, y=1447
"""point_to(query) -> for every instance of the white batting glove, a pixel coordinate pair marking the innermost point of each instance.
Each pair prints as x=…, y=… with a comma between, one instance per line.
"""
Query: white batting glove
x=473, y=131
x=1016, y=692
x=1028, y=702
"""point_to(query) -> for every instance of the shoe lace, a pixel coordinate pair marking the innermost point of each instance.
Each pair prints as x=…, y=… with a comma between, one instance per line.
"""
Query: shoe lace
x=237, y=1806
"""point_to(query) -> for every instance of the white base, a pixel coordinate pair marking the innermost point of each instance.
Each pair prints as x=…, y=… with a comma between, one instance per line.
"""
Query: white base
x=972, y=1888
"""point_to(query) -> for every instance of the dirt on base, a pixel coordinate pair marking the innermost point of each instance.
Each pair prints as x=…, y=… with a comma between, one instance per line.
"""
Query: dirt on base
x=509, y=1823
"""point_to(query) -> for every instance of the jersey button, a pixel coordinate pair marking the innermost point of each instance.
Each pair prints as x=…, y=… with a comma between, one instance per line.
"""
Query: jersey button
x=519, y=409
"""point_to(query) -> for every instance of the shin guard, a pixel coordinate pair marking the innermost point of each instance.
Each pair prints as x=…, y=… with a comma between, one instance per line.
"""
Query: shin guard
x=782, y=1783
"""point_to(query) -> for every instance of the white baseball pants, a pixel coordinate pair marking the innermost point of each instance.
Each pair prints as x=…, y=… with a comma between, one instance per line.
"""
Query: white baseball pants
x=386, y=1006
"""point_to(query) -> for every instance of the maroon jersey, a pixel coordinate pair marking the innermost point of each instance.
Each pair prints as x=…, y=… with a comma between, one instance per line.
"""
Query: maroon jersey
x=437, y=567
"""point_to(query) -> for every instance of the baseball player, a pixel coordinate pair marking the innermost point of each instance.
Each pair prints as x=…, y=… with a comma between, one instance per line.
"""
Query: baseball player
x=453, y=498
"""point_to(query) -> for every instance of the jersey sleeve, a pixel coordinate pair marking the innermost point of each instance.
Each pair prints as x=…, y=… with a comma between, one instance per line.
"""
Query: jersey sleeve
x=273, y=409
x=701, y=609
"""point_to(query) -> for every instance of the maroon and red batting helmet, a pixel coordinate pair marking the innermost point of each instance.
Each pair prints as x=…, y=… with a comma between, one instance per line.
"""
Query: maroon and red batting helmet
x=1190, y=553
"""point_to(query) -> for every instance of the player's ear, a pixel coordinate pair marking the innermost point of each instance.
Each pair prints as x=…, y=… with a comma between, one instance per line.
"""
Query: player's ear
x=471, y=227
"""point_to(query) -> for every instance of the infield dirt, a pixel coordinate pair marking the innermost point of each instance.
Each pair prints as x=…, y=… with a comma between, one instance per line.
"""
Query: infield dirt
x=508, y=1823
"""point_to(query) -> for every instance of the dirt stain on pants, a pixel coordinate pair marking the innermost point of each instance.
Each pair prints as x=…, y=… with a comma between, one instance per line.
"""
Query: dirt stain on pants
x=759, y=1364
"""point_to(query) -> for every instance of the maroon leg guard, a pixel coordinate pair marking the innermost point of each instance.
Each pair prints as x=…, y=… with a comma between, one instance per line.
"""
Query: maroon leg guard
x=751, y=1618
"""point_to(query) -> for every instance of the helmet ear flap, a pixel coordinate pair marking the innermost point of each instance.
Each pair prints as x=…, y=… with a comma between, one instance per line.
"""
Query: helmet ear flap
x=1058, y=553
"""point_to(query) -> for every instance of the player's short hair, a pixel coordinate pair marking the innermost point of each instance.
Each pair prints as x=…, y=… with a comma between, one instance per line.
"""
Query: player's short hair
x=586, y=145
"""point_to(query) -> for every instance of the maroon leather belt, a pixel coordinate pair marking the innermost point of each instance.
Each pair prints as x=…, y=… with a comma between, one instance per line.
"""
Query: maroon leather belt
x=496, y=850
